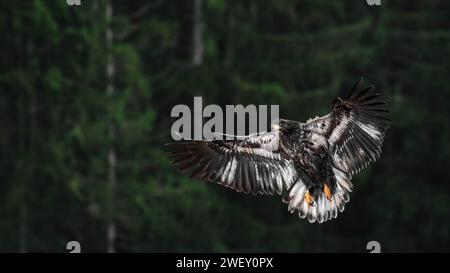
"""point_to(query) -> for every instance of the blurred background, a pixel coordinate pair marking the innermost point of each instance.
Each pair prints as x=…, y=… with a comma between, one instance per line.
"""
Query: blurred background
x=86, y=93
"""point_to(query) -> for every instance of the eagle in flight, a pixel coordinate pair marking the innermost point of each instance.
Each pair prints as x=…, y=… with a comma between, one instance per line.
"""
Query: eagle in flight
x=310, y=164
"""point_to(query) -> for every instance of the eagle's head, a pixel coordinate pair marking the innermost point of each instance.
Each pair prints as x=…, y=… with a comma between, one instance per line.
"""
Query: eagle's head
x=284, y=126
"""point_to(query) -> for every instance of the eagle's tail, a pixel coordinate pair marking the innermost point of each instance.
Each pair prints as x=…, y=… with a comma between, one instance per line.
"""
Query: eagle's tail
x=323, y=209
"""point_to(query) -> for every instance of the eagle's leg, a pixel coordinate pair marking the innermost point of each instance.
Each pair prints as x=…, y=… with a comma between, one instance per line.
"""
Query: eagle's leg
x=309, y=198
x=327, y=190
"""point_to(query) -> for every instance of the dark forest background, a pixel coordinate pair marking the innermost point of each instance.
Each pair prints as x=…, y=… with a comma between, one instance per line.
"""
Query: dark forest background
x=85, y=99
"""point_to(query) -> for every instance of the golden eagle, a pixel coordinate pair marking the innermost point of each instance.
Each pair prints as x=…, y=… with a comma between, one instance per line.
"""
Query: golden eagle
x=311, y=164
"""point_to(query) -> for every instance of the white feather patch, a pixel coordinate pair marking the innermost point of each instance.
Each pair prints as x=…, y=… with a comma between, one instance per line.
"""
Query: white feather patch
x=371, y=130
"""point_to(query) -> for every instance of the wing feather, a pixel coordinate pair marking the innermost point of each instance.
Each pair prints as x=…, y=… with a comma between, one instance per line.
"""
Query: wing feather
x=358, y=125
x=253, y=165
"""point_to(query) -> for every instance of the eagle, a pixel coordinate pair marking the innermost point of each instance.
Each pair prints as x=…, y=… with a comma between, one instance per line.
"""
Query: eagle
x=310, y=165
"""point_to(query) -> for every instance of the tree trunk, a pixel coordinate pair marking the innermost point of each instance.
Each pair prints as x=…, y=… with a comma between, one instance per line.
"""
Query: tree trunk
x=228, y=36
x=197, y=34
x=112, y=159
x=32, y=112
x=23, y=185
x=23, y=244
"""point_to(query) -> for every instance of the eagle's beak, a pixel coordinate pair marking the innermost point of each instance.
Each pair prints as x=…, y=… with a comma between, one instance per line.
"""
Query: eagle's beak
x=275, y=127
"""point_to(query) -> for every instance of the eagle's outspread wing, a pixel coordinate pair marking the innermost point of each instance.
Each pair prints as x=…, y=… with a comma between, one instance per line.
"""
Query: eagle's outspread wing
x=253, y=165
x=356, y=128
x=360, y=122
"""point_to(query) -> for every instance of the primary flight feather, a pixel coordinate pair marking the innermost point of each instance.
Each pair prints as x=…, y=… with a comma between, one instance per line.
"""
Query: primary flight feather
x=311, y=164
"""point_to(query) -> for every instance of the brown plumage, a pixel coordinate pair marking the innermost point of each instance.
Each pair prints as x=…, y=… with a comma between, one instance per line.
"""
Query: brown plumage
x=311, y=164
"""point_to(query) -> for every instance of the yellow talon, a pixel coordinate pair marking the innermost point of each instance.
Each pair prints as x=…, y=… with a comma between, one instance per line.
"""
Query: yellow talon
x=327, y=191
x=308, y=198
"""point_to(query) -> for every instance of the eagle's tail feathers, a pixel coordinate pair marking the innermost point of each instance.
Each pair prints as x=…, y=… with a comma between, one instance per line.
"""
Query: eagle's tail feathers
x=323, y=209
